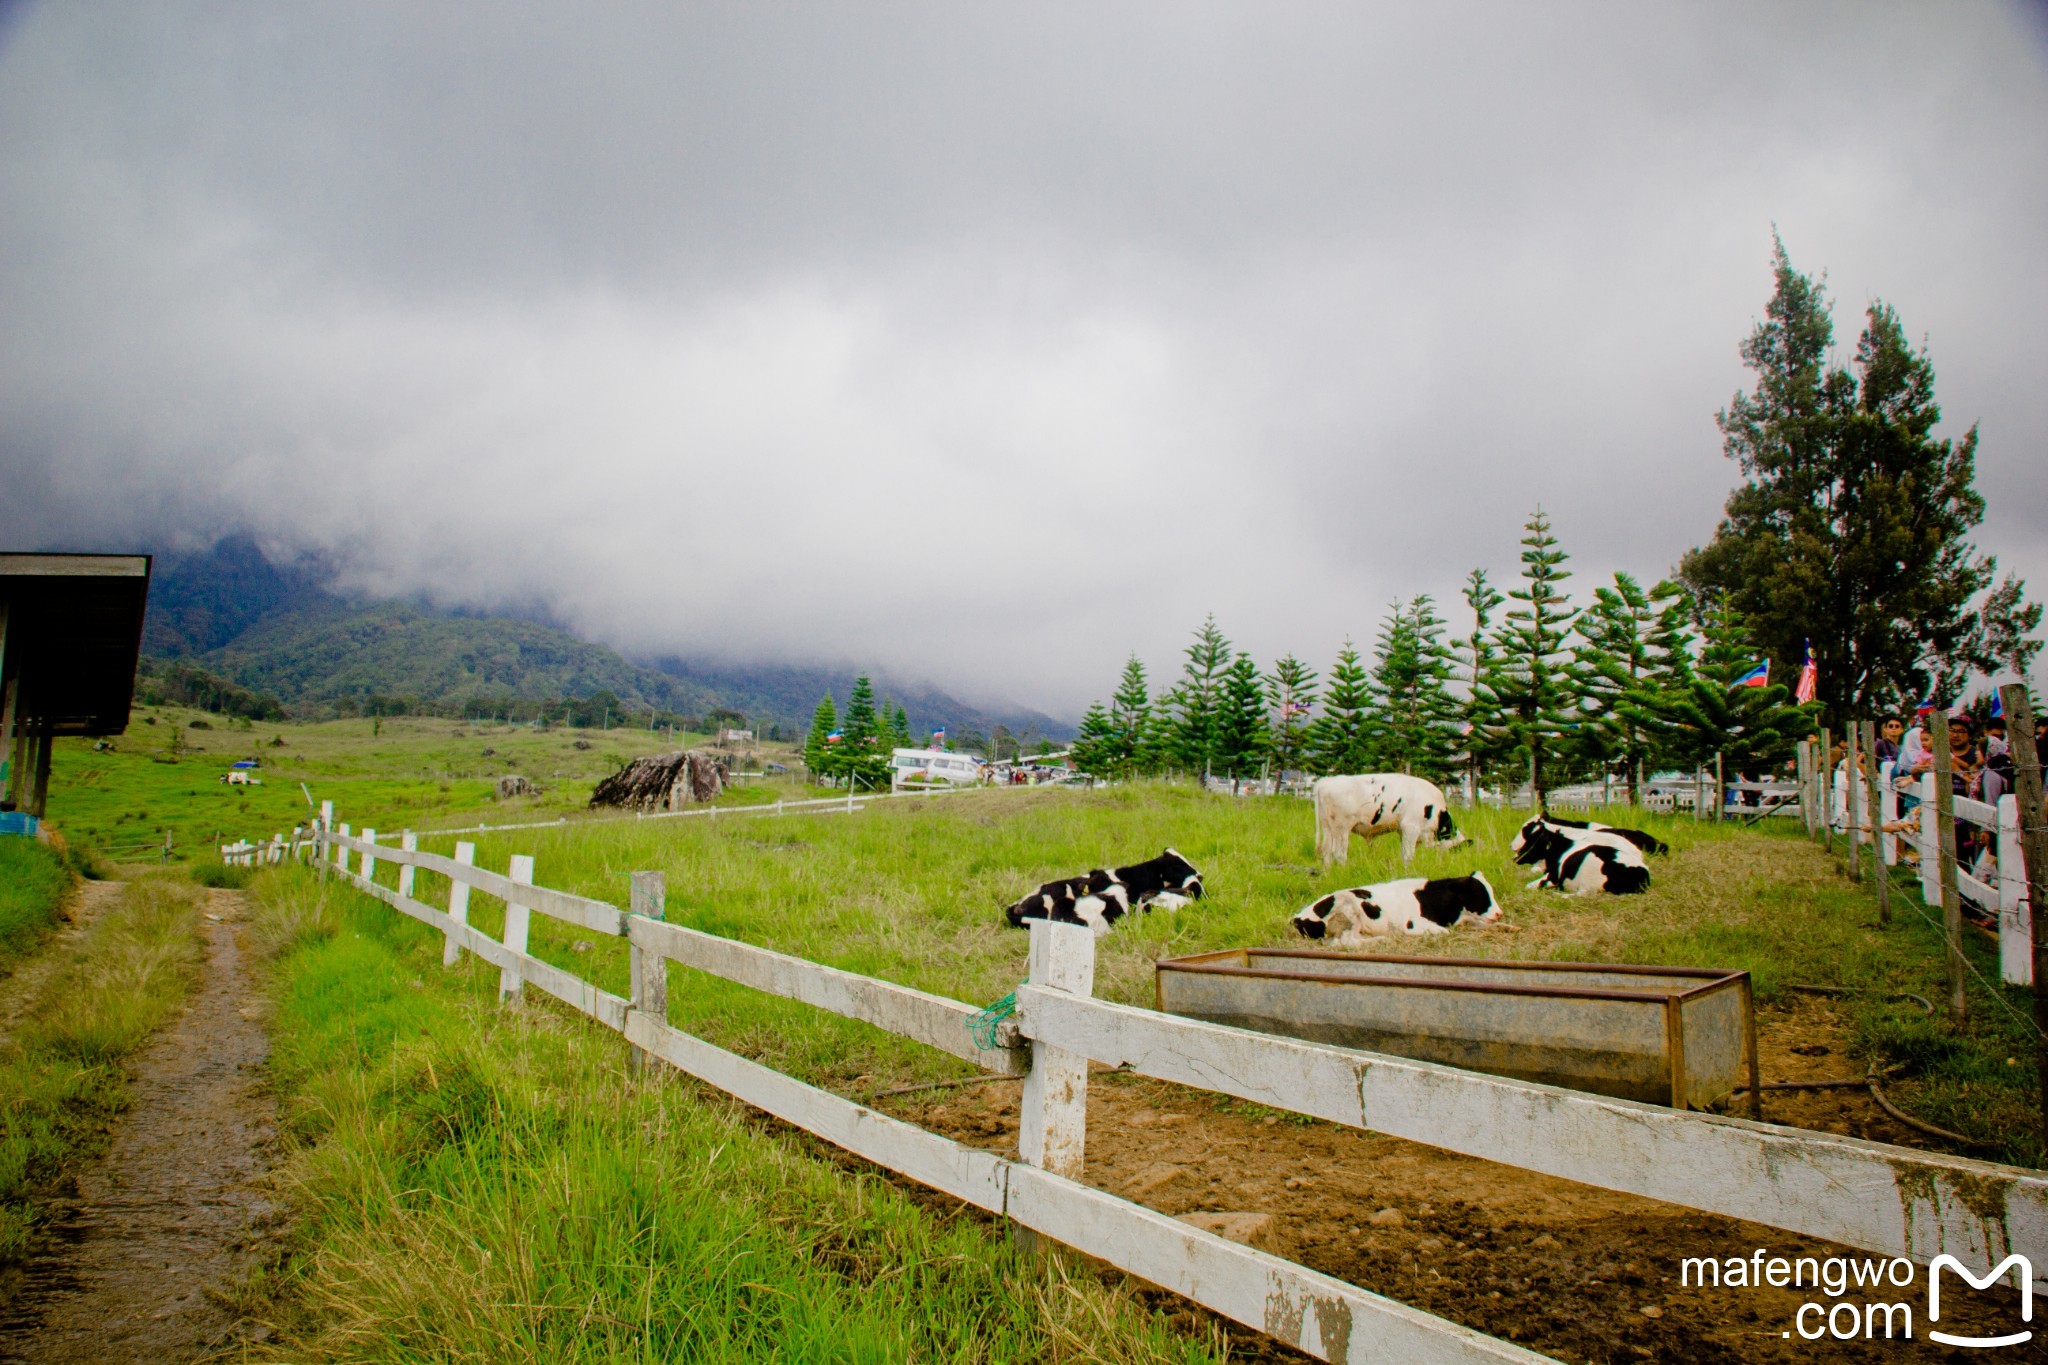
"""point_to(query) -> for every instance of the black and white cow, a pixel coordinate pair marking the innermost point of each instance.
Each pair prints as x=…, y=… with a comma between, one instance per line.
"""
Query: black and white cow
x=1102, y=897
x=1582, y=862
x=1409, y=906
x=1642, y=839
x=1376, y=803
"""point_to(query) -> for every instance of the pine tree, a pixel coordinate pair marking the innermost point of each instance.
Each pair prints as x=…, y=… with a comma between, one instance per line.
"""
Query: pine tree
x=1096, y=746
x=1529, y=687
x=1291, y=693
x=1630, y=642
x=899, y=727
x=1851, y=526
x=861, y=753
x=1130, y=715
x=1241, y=720
x=821, y=755
x=1416, y=716
x=1340, y=740
x=1704, y=712
x=1198, y=698
x=1475, y=656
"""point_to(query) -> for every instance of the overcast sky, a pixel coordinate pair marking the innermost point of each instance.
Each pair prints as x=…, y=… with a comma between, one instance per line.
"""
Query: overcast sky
x=980, y=343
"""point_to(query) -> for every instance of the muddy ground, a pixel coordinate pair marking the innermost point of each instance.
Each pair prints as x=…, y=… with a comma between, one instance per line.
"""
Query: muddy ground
x=146, y=1245
x=1575, y=1272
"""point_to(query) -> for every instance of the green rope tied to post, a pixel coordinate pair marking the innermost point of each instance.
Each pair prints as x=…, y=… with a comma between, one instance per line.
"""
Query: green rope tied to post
x=983, y=1023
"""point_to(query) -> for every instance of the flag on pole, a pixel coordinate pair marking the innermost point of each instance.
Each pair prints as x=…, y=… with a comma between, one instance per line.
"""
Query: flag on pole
x=1926, y=708
x=834, y=736
x=1809, y=678
x=1997, y=705
x=938, y=737
x=1760, y=676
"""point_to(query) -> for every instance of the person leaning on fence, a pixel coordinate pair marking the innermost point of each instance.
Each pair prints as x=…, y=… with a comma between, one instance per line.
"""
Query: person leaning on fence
x=1889, y=735
x=1998, y=770
x=1966, y=773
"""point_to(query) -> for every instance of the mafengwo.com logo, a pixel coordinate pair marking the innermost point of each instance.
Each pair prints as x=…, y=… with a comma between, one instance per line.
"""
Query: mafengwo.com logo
x=1872, y=1299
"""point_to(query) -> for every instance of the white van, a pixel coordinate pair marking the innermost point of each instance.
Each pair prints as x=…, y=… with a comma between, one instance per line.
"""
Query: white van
x=909, y=767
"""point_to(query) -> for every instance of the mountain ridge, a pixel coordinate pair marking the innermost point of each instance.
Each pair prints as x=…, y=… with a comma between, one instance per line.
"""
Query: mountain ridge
x=278, y=629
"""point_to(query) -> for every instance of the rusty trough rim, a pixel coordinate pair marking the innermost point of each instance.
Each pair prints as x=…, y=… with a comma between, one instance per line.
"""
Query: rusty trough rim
x=1711, y=978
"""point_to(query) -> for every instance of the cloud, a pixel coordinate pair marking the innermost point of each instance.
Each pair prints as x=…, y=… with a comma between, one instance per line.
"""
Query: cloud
x=981, y=346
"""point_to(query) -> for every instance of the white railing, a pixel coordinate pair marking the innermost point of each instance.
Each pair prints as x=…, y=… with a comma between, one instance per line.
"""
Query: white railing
x=1889, y=1200
x=280, y=848
x=1847, y=812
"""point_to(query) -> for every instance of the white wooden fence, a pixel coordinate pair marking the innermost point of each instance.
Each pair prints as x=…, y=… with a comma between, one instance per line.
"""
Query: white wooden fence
x=2004, y=896
x=1888, y=1200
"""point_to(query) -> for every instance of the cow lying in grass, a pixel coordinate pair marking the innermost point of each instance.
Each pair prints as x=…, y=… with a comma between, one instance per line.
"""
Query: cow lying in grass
x=1642, y=839
x=1102, y=897
x=1583, y=862
x=1409, y=906
x=1377, y=803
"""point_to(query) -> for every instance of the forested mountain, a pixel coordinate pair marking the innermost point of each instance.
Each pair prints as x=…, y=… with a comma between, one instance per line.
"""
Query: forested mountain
x=276, y=629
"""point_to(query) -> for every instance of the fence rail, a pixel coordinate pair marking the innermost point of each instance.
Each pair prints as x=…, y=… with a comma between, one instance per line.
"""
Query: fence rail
x=1879, y=1198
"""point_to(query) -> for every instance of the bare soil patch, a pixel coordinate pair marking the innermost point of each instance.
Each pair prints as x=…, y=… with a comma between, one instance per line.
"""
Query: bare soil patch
x=1578, y=1273
x=153, y=1235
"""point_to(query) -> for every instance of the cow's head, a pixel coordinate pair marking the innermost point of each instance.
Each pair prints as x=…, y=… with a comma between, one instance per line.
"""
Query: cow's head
x=1482, y=903
x=1313, y=922
x=1447, y=835
x=1180, y=875
x=1534, y=841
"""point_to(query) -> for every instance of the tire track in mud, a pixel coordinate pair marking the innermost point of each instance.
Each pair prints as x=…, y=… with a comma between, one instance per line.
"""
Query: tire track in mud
x=177, y=1210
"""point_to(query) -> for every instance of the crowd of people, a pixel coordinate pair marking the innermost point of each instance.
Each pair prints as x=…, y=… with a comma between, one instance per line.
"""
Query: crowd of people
x=1980, y=768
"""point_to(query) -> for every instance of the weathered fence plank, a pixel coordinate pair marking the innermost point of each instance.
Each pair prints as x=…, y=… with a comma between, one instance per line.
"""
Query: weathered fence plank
x=458, y=904
x=510, y=982
x=595, y=915
x=930, y=1019
x=1868, y=1195
x=1321, y=1316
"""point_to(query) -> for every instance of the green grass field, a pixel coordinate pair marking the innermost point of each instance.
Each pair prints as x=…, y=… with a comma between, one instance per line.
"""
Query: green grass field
x=473, y=1180
x=472, y=1183
x=165, y=778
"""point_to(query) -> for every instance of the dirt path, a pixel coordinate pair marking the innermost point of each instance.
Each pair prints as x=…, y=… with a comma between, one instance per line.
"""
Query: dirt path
x=177, y=1209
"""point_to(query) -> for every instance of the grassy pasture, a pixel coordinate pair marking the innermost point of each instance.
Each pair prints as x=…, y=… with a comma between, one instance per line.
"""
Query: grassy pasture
x=912, y=891
x=163, y=776
x=474, y=1182
x=480, y=1184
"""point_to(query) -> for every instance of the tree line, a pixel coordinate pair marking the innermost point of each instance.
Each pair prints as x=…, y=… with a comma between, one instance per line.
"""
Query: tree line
x=1848, y=535
x=1525, y=686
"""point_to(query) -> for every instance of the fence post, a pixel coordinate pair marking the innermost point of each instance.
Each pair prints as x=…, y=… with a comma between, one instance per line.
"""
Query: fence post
x=408, y=842
x=1720, y=790
x=1852, y=797
x=2033, y=840
x=1054, y=1126
x=458, y=903
x=1930, y=846
x=1800, y=761
x=2015, y=932
x=510, y=983
x=1888, y=810
x=1872, y=805
x=369, y=858
x=1824, y=788
x=340, y=853
x=648, y=972
x=1951, y=899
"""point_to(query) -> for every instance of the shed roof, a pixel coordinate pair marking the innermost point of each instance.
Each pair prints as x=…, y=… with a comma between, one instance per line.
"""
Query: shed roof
x=71, y=635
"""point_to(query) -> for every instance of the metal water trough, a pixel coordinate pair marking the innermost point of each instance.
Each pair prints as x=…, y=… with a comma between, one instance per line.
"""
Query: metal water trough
x=1683, y=1036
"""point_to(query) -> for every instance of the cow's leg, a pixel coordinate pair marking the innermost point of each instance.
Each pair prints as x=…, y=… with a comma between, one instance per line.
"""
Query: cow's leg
x=1411, y=834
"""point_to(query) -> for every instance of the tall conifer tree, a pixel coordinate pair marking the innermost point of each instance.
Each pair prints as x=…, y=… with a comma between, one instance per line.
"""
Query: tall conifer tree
x=820, y=753
x=1241, y=720
x=1291, y=693
x=1340, y=740
x=1529, y=687
x=1198, y=698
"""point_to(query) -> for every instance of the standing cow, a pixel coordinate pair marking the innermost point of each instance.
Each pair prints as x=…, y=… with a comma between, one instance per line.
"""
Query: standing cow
x=1375, y=803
